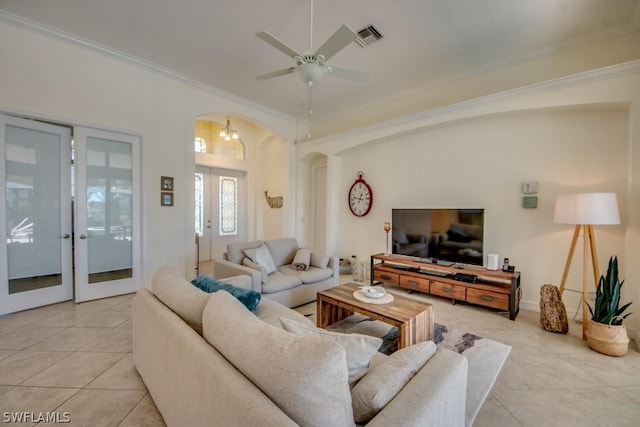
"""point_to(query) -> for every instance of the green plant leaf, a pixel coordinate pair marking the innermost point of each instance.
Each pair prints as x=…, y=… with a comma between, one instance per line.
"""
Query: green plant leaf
x=607, y=308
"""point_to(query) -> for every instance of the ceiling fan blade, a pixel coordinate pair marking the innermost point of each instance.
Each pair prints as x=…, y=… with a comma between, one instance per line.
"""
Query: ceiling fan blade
x=349, y=74
x=278, y=73
x=338, y=41
x=277, y=44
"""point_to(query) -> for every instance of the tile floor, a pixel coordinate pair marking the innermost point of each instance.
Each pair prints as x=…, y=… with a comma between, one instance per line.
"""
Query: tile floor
x=77, y=358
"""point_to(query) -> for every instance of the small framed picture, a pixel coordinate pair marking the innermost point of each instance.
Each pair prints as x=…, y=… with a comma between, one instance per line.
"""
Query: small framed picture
x=530, y=202
x=166, y=199
x=166, y=183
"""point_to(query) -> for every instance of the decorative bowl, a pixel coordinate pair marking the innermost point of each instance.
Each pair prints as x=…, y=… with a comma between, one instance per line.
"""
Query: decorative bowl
x=373, y=291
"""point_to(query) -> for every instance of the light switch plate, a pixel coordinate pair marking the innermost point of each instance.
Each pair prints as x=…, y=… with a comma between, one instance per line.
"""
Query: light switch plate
x=530, y=187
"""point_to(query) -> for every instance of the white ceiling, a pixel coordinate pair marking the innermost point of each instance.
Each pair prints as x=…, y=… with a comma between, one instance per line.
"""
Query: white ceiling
x=426, y=42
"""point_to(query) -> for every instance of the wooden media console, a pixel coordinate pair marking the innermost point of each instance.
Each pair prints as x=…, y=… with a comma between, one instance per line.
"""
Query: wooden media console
x=459, y=282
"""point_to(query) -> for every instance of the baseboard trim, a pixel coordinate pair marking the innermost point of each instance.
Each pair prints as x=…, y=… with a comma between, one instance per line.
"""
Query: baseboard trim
x=634, y=334
x=530, y=305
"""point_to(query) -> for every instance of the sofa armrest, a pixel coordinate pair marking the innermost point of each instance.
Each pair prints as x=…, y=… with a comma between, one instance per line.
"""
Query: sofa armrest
x=242, y=281
x=334, y=264
x=223, y=268
x=436, y=396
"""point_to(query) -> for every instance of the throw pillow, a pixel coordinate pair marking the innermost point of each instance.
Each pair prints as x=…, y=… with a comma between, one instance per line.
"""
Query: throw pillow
x=261, y=255
x=319, y=260
x=399, y=236
x=457, y=235
x=304, y=376
x=359, y=348
x=385, y=379
x=246, y=261
x=302, y=259
x=249, y=298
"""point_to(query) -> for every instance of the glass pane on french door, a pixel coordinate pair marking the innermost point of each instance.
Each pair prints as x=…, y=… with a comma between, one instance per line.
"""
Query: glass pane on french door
x=35, y=173
x=106, y=207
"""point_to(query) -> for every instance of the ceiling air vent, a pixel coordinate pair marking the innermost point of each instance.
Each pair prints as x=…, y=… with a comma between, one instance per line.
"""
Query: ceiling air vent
x=368, y=35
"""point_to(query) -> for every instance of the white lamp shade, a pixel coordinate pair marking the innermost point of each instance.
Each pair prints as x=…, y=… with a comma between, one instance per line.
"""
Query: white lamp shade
x=587, y=208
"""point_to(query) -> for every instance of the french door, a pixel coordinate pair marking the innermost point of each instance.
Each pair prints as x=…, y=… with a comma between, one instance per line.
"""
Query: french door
x=52, y=222
x=220, y=219
x=36, y=229
x=107, y=206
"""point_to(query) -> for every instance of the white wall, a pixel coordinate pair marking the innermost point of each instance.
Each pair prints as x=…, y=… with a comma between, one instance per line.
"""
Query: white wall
x=580, y=133
x=482, y=163
x=45, y=76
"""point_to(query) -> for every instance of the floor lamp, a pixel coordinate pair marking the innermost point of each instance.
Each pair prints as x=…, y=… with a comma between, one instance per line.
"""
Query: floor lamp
x=584, y=211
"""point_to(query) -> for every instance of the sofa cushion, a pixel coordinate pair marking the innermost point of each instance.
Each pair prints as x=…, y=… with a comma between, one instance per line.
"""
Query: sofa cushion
x=282, y=250
x=312, y=275
x=247, y=297
x=261, y=256
x=271, y=312
x=359, y=348
x=386, y=378
x=319, y=260
x=180, y=296
x=280, y=282
x=263, y=271
x=305, y=376
x=235, y=251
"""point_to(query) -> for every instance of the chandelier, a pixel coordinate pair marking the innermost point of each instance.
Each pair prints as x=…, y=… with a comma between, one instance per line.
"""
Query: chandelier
x=228, y=133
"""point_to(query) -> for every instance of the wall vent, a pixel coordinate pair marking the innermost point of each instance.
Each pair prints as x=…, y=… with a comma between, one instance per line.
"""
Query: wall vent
x=368, y=35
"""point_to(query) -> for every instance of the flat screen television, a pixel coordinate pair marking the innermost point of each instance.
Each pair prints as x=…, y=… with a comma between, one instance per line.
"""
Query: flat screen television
x=445, y=235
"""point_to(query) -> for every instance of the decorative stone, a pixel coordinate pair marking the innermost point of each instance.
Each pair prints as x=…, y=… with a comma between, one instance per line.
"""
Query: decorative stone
x=553, y=314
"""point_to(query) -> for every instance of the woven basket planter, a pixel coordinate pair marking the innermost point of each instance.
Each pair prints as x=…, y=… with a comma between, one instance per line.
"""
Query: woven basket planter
x=611, y=340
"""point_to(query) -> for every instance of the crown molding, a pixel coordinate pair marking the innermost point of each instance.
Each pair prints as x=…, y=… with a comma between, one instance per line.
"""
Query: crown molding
x=72, y=38
x=413, y=122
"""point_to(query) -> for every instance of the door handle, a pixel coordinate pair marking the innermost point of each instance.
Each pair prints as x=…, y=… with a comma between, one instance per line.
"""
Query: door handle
x=65, y=236
x=82, y=236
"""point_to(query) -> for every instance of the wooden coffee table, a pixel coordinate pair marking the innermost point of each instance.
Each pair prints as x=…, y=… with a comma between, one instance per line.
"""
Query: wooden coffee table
x=414, y=319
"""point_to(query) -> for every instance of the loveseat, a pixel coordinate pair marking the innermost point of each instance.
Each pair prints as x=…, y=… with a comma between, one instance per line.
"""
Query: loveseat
x=270, y=265
x=412, y=244
x=208, y=361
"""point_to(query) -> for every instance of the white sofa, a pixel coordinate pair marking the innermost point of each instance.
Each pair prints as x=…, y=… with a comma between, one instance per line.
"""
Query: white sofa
x=207, y=361
x=286, y=285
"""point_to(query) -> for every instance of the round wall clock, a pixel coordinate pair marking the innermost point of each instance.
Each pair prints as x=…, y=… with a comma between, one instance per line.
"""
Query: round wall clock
x=360, y=197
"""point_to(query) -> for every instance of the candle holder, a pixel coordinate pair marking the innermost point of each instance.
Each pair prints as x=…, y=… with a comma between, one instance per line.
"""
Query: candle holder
x=387, y=228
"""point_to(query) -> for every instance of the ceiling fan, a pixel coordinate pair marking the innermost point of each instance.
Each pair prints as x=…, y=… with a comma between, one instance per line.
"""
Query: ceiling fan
x=311, y=65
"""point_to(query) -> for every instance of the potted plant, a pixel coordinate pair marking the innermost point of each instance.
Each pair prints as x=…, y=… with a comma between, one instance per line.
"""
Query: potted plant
x=606, y=332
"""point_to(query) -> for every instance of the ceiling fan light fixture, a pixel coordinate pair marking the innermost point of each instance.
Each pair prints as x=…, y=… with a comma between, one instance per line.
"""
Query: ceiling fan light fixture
x=310, y=72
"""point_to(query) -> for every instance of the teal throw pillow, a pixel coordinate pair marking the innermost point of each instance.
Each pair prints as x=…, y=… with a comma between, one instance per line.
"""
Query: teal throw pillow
x=248, y=297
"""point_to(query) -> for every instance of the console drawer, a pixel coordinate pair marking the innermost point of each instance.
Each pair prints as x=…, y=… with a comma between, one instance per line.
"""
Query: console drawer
x=386, y=277
x=488, y=299
x=417, y=283
x=448, y=290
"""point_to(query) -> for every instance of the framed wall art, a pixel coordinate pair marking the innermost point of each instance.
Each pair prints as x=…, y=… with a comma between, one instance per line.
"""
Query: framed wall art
x=166, y=199
x=166, y=183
